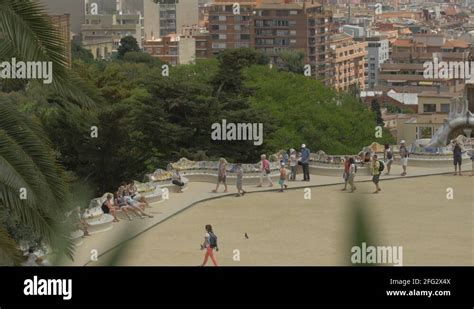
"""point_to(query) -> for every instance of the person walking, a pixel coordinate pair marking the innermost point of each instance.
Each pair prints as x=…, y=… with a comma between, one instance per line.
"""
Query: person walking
x=403, y=157
x=352, y=173
x=388, y=156
x=210, y=243
x=265, y=170
x=221, y=175
x=239, y=172
x=345, y=173
x=293, y=164
x=305, y=153
x=376, y=168
x=457, y=158
x=282, y=177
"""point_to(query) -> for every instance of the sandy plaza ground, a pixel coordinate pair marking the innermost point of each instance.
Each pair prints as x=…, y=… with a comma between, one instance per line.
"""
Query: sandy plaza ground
x=287, y=229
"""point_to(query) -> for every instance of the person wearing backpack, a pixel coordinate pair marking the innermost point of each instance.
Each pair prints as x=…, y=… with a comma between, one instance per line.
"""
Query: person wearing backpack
x=388, y=155
x=210, y=243
x=377, y=168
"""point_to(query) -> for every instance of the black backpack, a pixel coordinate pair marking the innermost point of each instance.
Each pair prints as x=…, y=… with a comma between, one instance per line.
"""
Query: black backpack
x=381, y=166
x=212, y=240
x=389, y=155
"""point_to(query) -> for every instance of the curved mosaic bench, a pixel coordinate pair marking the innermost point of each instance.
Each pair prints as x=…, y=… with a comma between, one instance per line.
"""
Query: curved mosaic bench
x=433, y=161
x=207, y=171
x=334, y=170
x=95, y=217
x=154, y=188
x=99, y=224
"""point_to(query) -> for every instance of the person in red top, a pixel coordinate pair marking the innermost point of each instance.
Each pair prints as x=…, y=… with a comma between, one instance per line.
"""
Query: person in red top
x=265, y=170
x=345, y=174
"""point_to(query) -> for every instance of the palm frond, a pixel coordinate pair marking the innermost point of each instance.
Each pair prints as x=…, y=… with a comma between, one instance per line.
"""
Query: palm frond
x=29, y=35
x=9, y=253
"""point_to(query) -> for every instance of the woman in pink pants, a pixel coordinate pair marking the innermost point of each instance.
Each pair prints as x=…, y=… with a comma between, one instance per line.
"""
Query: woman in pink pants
x=210, y=243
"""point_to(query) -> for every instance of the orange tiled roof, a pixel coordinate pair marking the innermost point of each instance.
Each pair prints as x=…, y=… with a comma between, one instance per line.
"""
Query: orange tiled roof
x=456, y=44
x=403, y=43
x=405, y=31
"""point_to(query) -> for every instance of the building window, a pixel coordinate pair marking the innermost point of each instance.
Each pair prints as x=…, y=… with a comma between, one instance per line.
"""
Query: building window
x=222, y=18
x=429, y=108
x=281, y=23
x=218, y=45
x=293, y=12
x=445, y=108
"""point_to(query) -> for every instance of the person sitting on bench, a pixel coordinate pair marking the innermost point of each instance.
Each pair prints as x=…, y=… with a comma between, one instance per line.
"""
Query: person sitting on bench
x=176, y=180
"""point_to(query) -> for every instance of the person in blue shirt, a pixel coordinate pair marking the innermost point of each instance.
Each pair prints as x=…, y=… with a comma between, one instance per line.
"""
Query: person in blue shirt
x=305, y=152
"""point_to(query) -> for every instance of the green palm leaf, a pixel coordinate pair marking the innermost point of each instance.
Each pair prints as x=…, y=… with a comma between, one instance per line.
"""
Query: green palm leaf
x=9, y=253
x=26, y=162
x=27, y=34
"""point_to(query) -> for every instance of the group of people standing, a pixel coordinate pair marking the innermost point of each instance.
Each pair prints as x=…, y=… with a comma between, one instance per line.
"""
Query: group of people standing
x=291, y=159
x=376, y=166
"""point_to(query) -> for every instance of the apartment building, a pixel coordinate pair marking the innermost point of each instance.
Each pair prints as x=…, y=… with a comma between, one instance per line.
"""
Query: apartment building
x=404, y=73
x=274, y=26
x=408, y=78
x=377, y=53
x=163, y=17
x=173, y=48
x=229, y=30
x=114, y=27
x=202, y=38
x=348, y=62
x=421, y=47
x=279, y=27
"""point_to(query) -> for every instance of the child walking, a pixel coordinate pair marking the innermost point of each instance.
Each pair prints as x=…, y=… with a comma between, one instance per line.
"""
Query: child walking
x=210, y=243
x=282, y=177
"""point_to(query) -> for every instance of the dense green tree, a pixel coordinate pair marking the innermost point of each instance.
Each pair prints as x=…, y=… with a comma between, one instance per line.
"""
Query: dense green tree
x=292, y=61
x=127, y=44
x=375, y=107
x=78, y=52
x=308, y=112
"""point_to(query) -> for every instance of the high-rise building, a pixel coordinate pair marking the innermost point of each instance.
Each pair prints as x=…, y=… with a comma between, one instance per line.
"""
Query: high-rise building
x=273, y=26
x=163, y=17
x=231, y=26
x=348, y=58
x=377, y=53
